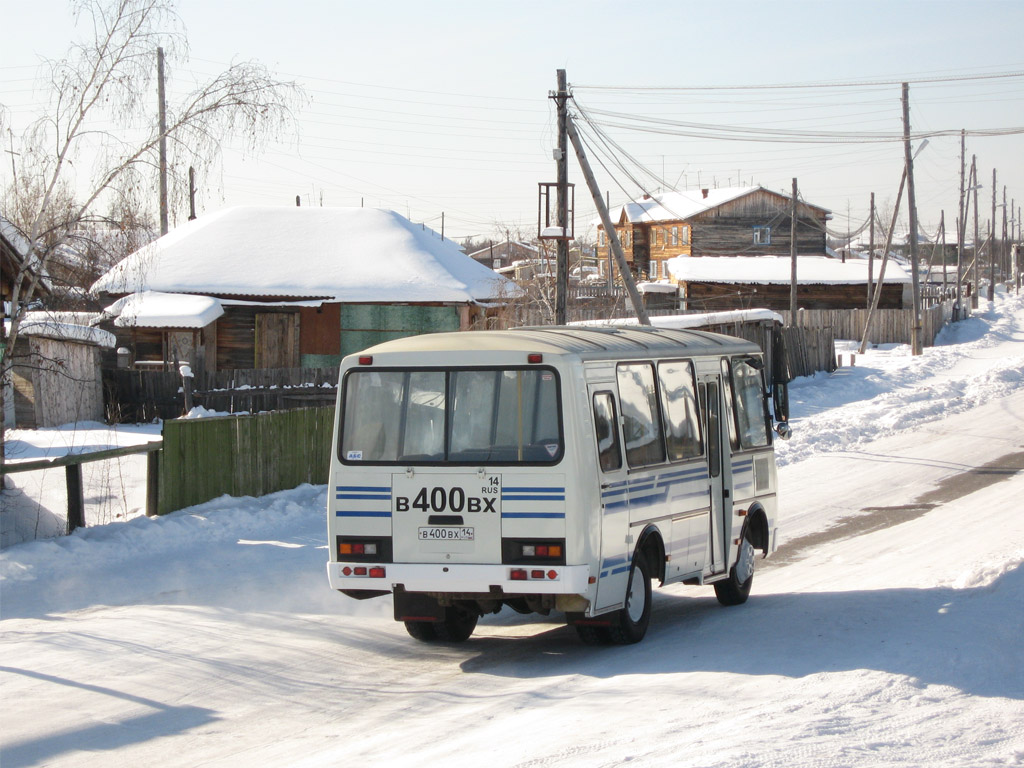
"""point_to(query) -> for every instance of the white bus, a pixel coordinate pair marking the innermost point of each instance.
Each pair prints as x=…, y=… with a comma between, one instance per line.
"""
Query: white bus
x=550, y=469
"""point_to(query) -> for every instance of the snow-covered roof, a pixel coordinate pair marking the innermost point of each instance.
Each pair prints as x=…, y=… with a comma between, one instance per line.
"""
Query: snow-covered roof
x=657, y=287
x=503, y=246
x=695, y=320
x=11, y=234
x=766, y=270
x=679, y=206
x=66, y=326
x=341, y=254
x=152, y=309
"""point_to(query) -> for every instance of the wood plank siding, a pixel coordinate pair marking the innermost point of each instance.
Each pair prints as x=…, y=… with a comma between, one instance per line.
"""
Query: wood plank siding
x=706, y=297
x=755, y=224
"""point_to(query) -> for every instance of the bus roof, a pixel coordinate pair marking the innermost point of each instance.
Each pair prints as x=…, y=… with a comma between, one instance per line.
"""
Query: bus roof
x=592, y=342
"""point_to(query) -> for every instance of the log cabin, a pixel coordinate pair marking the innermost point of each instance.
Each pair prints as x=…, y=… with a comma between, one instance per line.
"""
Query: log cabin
x=726, y=222
x=292, y=287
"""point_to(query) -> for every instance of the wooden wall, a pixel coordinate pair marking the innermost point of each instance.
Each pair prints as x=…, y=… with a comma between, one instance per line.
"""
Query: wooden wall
x=56, y=382
x=727, y=229
x=243, y=455
x=717, y=296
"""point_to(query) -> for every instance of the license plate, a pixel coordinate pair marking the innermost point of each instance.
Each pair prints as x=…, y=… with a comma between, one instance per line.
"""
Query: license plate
x=444, y=533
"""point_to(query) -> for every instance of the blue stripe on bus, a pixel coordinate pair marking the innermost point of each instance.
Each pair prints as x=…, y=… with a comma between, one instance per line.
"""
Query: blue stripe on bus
x=348, y=513
x=546, y=515
x=532, y=489
x=377, y=488
x=533, y=497
x=374, y=496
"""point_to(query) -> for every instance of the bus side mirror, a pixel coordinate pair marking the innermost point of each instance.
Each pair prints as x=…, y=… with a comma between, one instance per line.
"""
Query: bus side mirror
x=783, y=429
x=780, y=401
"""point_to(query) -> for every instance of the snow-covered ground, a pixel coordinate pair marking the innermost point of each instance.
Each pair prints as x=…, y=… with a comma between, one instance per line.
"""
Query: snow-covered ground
x=888, y=629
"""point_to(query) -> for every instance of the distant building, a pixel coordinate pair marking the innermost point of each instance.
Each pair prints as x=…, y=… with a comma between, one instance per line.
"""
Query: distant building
x=728, y=222
x=292, y=287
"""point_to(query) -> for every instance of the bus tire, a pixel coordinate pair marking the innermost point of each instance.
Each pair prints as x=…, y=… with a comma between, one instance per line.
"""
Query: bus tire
x=630, y=622
x=421, y=630
x=456, y=626
x=735, y=589
x=593, y=635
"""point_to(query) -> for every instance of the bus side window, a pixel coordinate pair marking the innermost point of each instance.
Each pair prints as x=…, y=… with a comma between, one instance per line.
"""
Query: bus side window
x=710, y=404
x=641, y=422
x=751, y=410
x=608, y=451
x=679, y=408
x=730, y=415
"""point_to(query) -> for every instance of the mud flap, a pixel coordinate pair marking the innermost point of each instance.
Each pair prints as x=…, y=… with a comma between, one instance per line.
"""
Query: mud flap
x=416, y=606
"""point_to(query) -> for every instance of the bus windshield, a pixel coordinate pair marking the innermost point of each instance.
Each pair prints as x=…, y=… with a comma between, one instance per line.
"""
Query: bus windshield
x=459, y=415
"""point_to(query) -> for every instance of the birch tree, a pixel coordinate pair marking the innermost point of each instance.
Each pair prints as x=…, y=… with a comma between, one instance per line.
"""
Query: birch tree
x=99, y=132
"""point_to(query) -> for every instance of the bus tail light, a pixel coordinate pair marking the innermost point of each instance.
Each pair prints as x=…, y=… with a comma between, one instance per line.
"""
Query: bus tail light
x=376, y=572
x=363, y=549
x=533, y=552
x=533, y=574
x=366, y=359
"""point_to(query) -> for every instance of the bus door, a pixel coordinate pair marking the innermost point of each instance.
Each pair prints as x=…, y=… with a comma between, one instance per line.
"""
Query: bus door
x=614, y=550
x=711, y=409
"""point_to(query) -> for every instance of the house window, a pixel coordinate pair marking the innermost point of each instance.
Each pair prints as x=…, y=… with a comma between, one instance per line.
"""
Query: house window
x=762, y=235
x=686, y=235
x=600, y=237
x=654, y=236
x=675, y=235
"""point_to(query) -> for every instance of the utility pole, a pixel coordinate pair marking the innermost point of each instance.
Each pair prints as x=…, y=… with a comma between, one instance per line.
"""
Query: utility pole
x=611, y=254
x=1003, y=263
x=163, y=139
x=977, y=247
x=191, y=193
x=606, y=220
x=792, y=259
x=12, y=153
x=562, y=202
x=961, y=225
x=915, y=347
x=871, y=249
x=992, y=244
x=881, y=270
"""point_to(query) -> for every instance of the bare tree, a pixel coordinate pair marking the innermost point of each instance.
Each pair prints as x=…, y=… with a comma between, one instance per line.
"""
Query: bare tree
x=107, y=81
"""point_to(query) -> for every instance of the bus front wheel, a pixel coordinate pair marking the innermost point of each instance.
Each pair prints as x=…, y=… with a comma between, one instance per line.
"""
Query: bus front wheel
x=736, y=588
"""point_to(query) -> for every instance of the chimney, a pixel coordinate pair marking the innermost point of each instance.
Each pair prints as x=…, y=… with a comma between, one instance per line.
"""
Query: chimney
x=705, y=193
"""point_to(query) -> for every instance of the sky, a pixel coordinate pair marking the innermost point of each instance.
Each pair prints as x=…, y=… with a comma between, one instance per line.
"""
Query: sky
x=443, y=107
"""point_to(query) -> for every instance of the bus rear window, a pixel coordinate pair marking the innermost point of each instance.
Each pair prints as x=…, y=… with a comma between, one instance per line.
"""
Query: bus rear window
x=495, y=416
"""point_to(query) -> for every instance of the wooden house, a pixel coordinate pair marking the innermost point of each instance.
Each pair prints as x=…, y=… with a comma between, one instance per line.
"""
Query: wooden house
x=764, y=282
x=728, y=222
x=55, y=371
x=504, y=254
x=292, y=287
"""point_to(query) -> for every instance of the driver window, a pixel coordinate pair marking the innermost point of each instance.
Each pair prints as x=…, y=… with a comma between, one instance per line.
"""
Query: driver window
x=607, y=433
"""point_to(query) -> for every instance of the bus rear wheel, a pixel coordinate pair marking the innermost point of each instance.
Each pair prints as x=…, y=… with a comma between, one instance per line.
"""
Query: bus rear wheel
x=456, y=627
x=630, y=622
x=736, y=589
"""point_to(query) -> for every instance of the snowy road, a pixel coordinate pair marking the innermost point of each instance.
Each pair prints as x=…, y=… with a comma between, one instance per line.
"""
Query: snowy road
x=889, y=631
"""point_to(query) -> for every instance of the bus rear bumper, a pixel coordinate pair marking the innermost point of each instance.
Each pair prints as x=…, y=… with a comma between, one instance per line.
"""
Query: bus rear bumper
x=463, y=578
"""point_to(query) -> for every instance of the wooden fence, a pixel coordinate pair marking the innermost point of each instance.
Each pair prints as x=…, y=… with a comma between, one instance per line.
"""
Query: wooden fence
x=888, y=326
x=243, y=455
x=138, y=395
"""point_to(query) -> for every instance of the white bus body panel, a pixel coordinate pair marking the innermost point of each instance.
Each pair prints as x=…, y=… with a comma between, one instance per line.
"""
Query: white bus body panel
x=600, y=515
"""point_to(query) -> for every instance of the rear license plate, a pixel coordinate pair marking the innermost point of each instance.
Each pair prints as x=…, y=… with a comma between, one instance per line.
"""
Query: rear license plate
x=439, y=533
